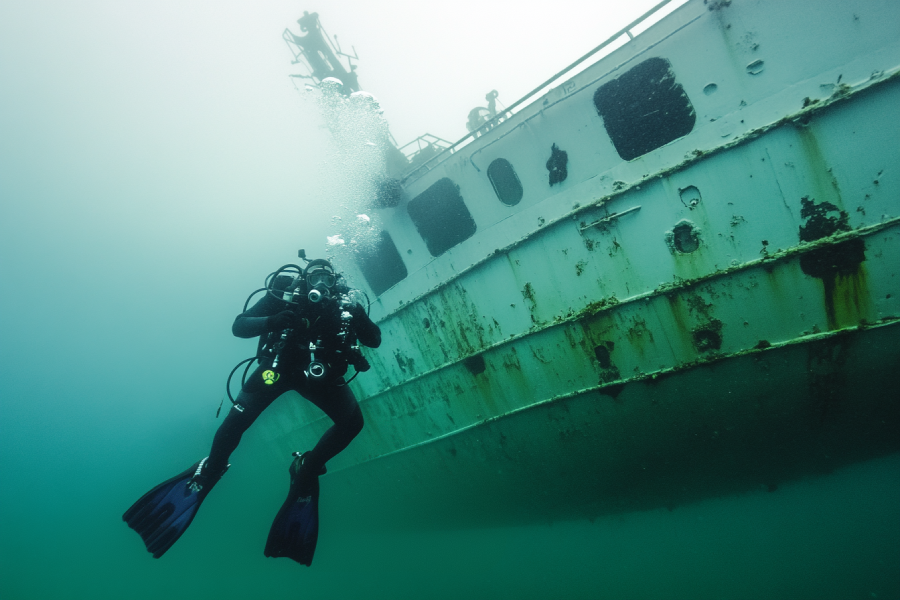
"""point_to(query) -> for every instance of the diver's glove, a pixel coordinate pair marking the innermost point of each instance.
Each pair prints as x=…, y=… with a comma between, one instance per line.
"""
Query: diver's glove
x=359, y=361
x=368, y=333
x=283, y=320
x=357, y=311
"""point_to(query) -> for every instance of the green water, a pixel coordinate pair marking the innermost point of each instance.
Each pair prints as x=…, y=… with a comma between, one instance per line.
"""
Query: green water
x=830, y=538
x=155, y=164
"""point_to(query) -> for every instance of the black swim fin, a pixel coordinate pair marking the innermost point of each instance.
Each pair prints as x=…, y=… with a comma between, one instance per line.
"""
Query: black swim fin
x=164, y=513
x=296, y=528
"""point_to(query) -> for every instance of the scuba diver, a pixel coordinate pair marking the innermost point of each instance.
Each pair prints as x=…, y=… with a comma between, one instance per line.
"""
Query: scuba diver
x=308, y=328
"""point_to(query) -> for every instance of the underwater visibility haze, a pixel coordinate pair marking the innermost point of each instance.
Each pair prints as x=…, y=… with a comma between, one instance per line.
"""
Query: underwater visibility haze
x=156, y=163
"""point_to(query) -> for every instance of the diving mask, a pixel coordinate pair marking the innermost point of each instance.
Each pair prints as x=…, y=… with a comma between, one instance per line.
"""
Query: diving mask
x=320, y=279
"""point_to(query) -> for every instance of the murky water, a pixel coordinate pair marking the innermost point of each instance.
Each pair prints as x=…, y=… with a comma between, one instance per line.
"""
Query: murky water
x=835, y=537
x=130, y=236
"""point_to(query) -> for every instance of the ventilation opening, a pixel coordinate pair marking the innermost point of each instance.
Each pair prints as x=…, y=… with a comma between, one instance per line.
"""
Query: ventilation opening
x=382, y=266
x=475, y=364
x=505, y=181
x=644, y=109
x=684, y=238
x=441, y=216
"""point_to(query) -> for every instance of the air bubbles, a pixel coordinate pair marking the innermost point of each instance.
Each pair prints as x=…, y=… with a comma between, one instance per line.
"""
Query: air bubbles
x=353, y=169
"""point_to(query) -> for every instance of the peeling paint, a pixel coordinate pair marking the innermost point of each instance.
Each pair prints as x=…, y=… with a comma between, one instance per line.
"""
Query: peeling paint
x=838, y=265
x=528, y=295
x=474, y=364
x=556, y=165
x=579, y=267
x=595, y=316
x=405, y=364
x=639, y=333
x=708, y=337
x=608, y=371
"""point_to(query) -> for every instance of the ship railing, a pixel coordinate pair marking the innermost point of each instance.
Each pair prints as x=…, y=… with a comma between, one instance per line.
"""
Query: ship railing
x=423, y=142
x=626, y=34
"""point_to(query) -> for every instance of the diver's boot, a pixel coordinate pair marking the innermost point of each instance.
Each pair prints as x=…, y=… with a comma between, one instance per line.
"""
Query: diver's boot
x=296, y=527
x=302, y=475
x=204, y=477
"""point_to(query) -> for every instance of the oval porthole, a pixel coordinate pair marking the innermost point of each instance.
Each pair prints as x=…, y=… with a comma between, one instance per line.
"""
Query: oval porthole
x=505, y=181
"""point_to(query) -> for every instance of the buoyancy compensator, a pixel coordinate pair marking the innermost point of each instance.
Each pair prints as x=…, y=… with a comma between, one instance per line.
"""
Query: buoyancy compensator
x=326, y=333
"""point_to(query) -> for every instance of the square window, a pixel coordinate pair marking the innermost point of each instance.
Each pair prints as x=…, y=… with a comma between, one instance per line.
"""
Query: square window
x=382, y=265
x=441, y=216
x=644, y=109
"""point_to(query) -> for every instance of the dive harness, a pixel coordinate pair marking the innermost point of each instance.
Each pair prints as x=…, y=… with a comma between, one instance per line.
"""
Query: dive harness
x=348, y=347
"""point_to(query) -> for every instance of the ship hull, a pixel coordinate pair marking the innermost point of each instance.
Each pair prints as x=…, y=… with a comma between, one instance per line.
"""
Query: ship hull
x=718, y=314
x=745, y=423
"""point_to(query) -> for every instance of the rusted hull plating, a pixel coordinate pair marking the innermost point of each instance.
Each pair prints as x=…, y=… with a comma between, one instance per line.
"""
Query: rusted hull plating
x=742, y=424
x=715, y=316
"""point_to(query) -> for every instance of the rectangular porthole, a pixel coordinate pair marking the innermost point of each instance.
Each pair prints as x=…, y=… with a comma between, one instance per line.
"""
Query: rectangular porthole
x=644, y=109
x=382, y=265
x=441, y=216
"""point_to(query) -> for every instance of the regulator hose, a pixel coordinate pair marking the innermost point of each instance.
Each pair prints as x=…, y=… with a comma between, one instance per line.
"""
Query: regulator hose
x=249, y=362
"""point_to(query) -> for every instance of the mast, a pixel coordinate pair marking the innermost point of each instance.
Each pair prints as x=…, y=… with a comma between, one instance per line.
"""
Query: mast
x=320, y=55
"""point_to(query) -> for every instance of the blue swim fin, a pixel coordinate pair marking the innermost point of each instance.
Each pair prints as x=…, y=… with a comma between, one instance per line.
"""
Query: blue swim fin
x=164, y=513
x=296, y=528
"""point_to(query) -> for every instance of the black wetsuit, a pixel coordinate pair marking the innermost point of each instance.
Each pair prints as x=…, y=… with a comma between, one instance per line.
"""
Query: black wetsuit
x=316, y=322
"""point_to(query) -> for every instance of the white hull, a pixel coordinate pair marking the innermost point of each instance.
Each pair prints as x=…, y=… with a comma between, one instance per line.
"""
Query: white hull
x=738, y=329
